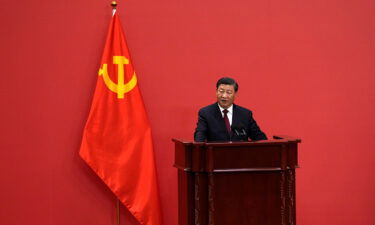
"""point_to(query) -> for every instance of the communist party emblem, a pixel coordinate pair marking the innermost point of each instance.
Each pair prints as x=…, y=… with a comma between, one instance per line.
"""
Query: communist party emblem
x=123, y=67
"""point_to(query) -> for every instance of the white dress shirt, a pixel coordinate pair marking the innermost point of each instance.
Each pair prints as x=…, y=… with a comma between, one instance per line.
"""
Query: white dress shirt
x=229, y=113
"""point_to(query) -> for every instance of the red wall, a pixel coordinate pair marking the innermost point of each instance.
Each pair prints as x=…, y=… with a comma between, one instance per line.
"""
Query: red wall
x=306, y=69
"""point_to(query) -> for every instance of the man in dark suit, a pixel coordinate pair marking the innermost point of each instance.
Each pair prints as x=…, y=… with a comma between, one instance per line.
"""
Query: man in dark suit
x=225, y=121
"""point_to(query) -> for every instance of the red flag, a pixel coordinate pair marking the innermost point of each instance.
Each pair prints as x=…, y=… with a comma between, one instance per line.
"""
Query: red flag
x=117, y=141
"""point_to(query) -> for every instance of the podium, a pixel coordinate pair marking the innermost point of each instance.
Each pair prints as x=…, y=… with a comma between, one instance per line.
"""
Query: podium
x=238, y=183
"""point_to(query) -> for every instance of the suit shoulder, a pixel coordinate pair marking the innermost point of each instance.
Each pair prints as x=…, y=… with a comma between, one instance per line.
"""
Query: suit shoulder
x=241, y=109
x=208, y=108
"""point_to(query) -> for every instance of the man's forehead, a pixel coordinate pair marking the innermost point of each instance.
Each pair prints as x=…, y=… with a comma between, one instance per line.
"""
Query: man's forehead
x=226, y=86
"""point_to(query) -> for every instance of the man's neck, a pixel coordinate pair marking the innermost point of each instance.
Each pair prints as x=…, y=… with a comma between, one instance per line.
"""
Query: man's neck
x=221, y=108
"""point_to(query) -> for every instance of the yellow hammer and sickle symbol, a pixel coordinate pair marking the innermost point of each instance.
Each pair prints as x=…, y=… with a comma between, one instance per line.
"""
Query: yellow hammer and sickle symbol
x=120, y=88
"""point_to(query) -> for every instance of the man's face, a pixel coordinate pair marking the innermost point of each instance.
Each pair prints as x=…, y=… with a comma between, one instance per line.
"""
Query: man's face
x=225, y=95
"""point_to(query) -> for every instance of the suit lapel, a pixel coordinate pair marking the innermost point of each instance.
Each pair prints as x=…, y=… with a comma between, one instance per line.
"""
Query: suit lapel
x=234, y=117
x=218, y=116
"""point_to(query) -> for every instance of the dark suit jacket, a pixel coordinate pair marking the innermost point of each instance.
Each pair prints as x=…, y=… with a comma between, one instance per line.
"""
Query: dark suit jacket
x=211, y=126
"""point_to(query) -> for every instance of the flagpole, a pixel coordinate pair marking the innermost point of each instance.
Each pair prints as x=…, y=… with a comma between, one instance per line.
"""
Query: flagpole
x=114, y=5
x=118, y=211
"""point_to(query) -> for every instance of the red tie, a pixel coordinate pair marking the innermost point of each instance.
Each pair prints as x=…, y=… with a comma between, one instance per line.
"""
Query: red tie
x=226, y=120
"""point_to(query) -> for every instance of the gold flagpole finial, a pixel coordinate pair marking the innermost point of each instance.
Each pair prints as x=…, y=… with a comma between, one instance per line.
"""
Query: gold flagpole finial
x=114, y=4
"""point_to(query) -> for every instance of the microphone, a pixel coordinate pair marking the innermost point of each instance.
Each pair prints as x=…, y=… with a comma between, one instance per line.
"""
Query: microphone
x=243, y=132
x=236, y=131
x=240, y=132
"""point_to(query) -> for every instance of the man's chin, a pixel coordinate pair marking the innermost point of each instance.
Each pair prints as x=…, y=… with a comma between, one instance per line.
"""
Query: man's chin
x=224, y=105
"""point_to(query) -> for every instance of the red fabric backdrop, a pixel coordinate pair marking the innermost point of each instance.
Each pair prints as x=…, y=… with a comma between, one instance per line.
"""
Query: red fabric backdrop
x=304, y=67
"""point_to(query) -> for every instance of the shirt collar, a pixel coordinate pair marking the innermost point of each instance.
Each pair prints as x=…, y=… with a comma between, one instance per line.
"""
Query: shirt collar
x=230, y=109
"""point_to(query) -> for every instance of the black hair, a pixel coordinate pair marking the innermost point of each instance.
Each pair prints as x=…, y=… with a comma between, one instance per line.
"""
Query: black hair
x=228, y=81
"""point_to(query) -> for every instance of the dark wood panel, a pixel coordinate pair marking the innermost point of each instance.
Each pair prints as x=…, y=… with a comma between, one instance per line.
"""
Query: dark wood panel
x=255, y=196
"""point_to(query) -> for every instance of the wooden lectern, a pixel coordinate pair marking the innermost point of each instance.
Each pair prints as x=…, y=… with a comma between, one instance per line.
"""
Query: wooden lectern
x=238, y=183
